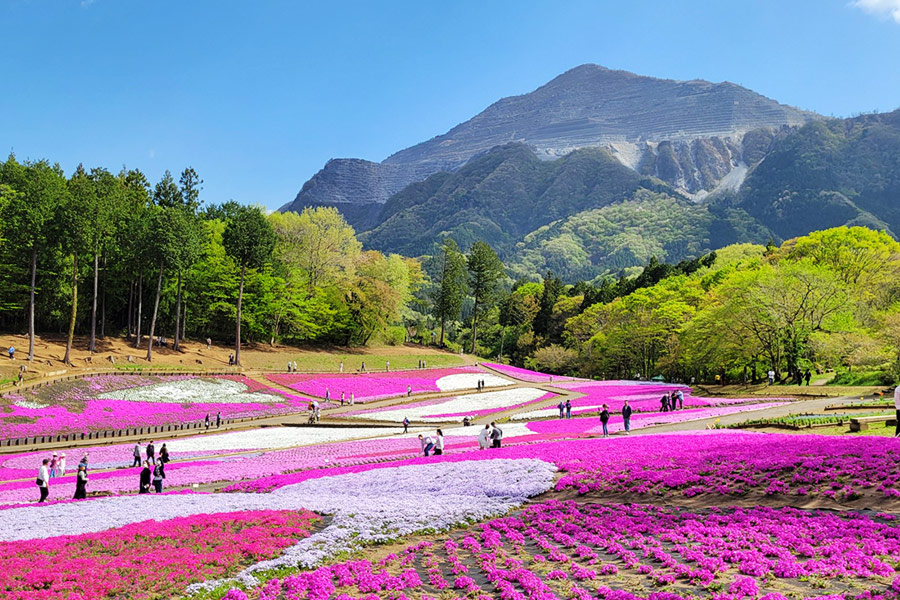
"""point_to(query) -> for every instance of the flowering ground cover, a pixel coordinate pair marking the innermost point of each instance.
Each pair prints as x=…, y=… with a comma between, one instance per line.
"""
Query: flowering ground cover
x=643, y=397
x=527, y=374
x=148, y=559
x=106, y=402
x=615, y=552
x=455, y=408
x=373, y=386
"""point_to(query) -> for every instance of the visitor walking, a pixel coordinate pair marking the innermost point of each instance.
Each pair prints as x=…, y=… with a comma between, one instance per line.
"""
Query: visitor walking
x=43, y=479
x=562, y=407
x=362, y=367
x=61, y=465
x=289, y=367
x=626, y=416
x=484, y=437
x=81, y=483
x=568, y=408
x=342, y=398
x=206, y=421
x=208, y=343
x=405, y=424
x=807, y=377
x=427, y=444
x=137, y=455
x=151, y=451
x=164, y=454
x=144, y=484
x=54, y=462
x=897, y=408
x=83, y=462
x=439, y=443
x=496, y=435
x=295, y=366
x=771, y=376
x=680, y=399
x=408, y=391
x=604, y=419
x=218, y=419
x=341, y=368
x=387, y=366
x=327, y=395
x=158, y=475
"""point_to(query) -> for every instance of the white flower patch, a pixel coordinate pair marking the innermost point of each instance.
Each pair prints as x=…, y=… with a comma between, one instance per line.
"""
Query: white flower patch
x=268, y=438
x=222, y=391
x=30, y=404
x=371, y=506
x=466, y=404
x=467, y=381
x=541, y=413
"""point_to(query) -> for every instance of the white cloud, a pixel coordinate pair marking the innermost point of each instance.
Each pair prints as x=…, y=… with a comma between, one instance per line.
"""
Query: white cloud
x=880, y=8
x=87, y=3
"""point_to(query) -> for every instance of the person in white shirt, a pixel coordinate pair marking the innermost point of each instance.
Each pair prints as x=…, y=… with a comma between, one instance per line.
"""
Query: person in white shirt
x=897, y=408
x=43, y=479
x=61, y=465
x=439, y=443
x=483, y=437
x=427, y=444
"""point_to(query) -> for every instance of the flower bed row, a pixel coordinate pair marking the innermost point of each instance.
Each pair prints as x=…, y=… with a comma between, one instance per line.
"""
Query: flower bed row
x=367, y=387
x=571, y=550
x=455, y=408
x=527, y=374
x=90, y=405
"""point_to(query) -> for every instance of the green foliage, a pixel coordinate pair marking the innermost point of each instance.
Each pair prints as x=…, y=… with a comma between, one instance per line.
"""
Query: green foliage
x=449, y=284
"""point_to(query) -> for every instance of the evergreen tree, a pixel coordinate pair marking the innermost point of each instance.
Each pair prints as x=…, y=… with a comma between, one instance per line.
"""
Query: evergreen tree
x=449, y=289
x=250, y=241
x=485, y=272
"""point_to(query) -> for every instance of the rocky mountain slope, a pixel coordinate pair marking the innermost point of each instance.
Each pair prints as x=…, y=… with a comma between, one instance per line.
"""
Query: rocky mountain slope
x=689, y=134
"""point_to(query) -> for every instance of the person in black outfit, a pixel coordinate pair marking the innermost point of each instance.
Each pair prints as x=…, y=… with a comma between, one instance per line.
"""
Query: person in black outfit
x=807, y=376
x=163, y=454
x=81, y=483
x=151, y=452
x=218, y=420
x=626, y=416
x=604, y=419
x=206, y=421
x=145, y=479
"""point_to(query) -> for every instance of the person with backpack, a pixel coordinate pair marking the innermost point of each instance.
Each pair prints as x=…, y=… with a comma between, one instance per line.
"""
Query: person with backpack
x=604, y=419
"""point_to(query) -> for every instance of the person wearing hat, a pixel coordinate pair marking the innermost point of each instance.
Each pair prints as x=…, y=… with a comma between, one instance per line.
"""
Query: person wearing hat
x=81, y=483
x=61, y=465
x=54, y=463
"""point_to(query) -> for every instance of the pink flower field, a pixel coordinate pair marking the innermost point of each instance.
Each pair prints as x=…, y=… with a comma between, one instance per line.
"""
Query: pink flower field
x=79, y=406
x=372, y=386
x=527, y=374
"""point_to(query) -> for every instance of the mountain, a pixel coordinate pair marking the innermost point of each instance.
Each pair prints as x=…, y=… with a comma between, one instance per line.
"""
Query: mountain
x=581, y=215
x=826, y=174
x=689, y=134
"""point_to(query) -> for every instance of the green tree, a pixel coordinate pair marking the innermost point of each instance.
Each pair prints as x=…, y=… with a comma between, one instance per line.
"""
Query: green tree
x=73, y=233
x=250, y=241
x=553, y=288
x=167, y=228
x=27, y=216
x=449, y=284
x=485, y=273
x=102, y=221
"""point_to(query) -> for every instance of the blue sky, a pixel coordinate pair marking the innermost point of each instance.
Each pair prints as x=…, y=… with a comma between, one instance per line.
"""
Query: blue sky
x=257, y=96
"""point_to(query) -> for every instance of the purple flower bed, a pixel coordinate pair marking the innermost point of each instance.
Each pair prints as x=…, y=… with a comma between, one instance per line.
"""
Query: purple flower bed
x=572, y=550
x=367, y=386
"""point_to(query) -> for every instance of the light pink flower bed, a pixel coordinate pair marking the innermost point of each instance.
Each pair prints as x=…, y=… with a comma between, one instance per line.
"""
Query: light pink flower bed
x=367, y=386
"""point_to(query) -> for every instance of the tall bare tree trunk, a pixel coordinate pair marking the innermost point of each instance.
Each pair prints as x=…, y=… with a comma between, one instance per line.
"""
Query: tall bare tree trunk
x=31, y=304
x=237, y=337
x=92, y=346
x=474, y=326
x=155, y=309
x=67, y=358
x=140, y=304
x=103, y=302
x=130, y=328
x=177, y=311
